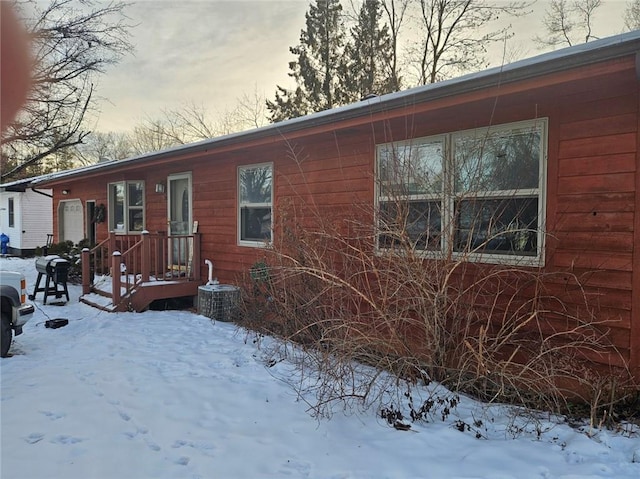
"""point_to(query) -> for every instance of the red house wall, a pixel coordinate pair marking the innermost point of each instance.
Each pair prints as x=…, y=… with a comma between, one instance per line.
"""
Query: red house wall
x=593, y=180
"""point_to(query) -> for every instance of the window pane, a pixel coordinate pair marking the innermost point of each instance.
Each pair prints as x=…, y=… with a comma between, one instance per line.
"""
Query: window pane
x=12, y=221
x=418, y=221
x=116, y=199
x=136, y=220
x=498, y=161
x=499, y=226
x=255, y=185
x=407, y=169
x=136, y=193
x=255, y=224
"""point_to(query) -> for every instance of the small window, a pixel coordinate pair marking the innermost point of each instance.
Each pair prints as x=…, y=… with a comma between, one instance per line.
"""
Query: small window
x=255, y=194
x=12, y=213
x=126, y=207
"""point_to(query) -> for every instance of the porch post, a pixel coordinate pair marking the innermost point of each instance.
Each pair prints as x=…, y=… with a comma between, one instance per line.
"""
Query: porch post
x=116, y=261
x=86, y=271
x=146, y=260
x=112, y=242
x=196, y=256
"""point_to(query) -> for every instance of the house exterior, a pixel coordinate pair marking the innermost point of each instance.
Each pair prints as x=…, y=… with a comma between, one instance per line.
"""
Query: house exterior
x=534, y=164
x=26, y=216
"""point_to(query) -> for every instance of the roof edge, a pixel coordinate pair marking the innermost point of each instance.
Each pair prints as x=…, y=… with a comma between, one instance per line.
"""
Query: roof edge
x=548, y=63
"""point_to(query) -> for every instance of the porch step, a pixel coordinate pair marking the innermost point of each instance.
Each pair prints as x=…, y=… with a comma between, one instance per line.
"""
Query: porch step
x=98, y=301
x=104, y=294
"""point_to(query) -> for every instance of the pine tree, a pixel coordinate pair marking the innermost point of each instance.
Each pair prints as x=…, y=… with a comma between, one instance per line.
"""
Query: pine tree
x=316, y=69
x=368, y=56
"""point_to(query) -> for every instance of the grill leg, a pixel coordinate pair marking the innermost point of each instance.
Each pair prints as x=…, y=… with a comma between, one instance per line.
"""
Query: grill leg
x=36, y=288
x=47, y=287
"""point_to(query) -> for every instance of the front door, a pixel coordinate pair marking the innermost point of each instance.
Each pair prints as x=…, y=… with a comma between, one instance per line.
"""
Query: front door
x=179, y=219
x=90, y=223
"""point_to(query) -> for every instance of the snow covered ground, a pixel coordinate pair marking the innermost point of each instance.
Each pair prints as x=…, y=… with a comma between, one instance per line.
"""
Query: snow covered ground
x=175, y=395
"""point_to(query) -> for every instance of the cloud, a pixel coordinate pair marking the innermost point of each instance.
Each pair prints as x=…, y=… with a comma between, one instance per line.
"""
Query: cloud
x=210, y=52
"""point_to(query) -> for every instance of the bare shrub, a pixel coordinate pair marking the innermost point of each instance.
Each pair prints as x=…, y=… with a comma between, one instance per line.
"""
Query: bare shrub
x=403, y=288
x=499, y=333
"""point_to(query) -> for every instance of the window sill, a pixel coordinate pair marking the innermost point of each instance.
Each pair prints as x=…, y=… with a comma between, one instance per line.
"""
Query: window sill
x=255, y=244
x=479, y=258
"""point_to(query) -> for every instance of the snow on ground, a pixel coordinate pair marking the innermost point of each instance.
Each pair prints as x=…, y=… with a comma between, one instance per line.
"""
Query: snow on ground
x=174, y=395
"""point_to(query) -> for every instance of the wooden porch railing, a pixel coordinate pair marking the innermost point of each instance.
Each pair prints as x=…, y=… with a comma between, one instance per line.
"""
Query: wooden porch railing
x=134, y=260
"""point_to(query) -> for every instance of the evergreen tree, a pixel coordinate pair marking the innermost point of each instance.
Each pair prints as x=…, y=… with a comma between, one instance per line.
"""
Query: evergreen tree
x=368, y=56
x=316, y=69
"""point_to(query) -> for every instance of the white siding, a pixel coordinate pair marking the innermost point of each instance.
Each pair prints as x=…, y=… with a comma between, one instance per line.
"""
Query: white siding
x=37, y=218
x=14, y=233
x=33, y=218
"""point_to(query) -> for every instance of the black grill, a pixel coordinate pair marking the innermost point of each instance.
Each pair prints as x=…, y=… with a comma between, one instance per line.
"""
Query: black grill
x=54, y=270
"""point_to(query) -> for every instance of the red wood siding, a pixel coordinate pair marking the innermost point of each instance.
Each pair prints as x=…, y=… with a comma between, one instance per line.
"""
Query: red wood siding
x=634, y=327
x=592, y=188
x=595, y=201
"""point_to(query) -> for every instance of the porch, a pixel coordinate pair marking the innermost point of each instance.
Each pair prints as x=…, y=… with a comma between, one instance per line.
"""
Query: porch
x=129, y=272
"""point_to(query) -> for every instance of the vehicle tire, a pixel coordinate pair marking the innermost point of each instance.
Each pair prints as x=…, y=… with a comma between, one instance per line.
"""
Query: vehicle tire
x=6, y=334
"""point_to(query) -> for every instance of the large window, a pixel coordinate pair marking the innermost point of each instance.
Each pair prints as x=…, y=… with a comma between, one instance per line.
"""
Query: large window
x=255, y=194
x=476, y=193
x=126, y=207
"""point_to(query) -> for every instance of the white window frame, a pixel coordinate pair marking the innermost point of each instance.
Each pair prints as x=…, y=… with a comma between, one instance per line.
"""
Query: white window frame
x=448, y=196
x=126, y=227
x=240, y=205
x=11, y=212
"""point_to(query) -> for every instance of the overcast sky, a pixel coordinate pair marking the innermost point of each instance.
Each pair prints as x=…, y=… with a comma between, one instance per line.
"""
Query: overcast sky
x=211, y=52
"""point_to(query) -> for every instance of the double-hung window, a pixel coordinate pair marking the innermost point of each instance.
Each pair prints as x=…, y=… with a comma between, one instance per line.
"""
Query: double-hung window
x=126, y=207
x=255, y=195
x=477, y=193
x=411, y=176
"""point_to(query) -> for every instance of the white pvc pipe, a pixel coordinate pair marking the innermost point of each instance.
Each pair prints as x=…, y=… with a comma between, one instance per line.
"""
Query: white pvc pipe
x=210, y=265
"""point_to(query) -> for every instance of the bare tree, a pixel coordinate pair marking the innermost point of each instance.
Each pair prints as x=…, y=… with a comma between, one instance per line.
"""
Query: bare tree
x=100, y=146
x=252, y=109
x=72, y=43
x=193, y=122
x=455, y=35
x=632, y=15
x=395, y=11
x=569, y=22
x=155, y=135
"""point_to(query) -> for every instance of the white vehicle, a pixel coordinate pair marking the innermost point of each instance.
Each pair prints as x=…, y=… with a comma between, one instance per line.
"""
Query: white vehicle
x=16, y=311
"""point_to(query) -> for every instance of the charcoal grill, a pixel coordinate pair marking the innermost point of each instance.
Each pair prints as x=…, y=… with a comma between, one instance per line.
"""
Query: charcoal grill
x=54, y=270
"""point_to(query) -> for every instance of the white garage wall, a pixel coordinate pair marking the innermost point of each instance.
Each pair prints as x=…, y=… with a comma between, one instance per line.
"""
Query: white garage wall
x=37, y=219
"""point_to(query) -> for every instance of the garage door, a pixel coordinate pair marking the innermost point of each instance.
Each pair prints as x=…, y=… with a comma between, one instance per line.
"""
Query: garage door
x=71, y=221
